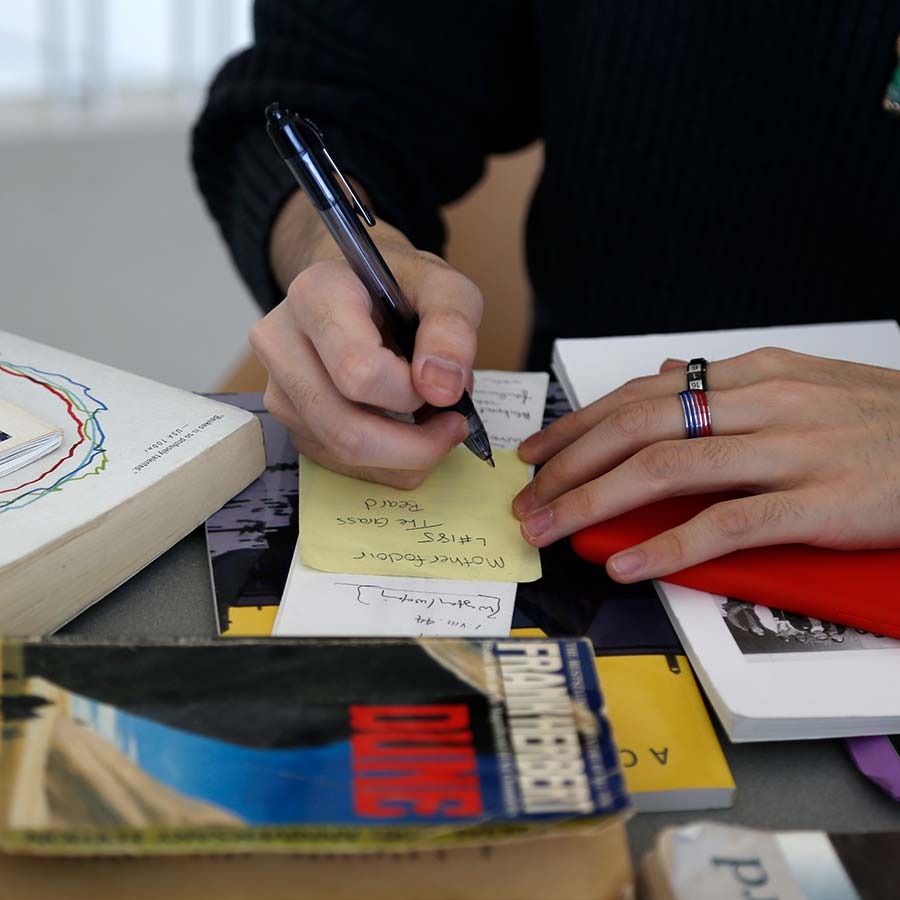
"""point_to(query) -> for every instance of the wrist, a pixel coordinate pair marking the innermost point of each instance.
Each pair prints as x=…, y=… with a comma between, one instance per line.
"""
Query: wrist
x=299, y=239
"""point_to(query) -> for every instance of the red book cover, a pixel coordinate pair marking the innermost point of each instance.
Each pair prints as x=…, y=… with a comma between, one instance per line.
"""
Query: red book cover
x=860, y=588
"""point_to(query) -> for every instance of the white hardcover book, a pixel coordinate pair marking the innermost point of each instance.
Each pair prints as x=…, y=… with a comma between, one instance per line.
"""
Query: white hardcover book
x=139, y=465
x=24, y=437
x=769, y=675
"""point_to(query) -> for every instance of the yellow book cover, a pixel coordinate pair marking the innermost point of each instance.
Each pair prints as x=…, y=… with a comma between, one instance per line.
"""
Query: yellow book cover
x=668, y=747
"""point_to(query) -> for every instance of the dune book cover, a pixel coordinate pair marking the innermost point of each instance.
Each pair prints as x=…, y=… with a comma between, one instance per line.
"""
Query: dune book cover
x=320, y=745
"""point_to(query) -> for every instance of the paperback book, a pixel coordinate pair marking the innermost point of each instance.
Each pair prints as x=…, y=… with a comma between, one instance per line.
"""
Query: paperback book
x=709, y=861
x=139, y=465
x=341, y=748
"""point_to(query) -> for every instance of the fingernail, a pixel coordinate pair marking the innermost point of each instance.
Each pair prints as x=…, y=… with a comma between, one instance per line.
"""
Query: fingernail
x=628, y=563
x=538, y=522
x=524, y=500
x=443, y=375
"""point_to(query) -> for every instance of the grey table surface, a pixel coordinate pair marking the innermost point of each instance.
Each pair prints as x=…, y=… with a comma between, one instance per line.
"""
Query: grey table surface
x=790, y=784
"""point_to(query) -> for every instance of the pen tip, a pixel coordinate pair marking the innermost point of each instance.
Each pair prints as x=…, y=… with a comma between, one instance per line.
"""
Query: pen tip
x=490, y=462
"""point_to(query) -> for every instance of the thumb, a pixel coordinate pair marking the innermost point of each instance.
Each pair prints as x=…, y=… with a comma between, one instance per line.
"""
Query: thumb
x=449, y=307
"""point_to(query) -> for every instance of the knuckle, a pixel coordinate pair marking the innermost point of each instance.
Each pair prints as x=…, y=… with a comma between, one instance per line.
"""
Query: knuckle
x=731, y=520
x=345, y=441
x=666, y=460
x=305, y=285
x=314, y=291
x=777, y=509
x=634, y=388
x=357, y=376
x=461, y=291
x=257, y=334
x=406, y=481
x=581, y=503
x=771, y=359
x=671, y=547
x=721, y=451
x=429, y=257
x=453, y=321
x=632, y=419
x=275, y=402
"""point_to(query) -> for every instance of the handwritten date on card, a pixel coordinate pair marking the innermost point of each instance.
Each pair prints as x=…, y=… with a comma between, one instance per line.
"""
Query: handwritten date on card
x=457, y=524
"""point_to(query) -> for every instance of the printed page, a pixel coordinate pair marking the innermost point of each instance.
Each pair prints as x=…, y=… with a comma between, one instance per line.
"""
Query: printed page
x=328, y=604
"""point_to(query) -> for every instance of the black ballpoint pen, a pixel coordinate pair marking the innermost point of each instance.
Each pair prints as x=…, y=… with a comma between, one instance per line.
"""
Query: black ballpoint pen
x=300, y=143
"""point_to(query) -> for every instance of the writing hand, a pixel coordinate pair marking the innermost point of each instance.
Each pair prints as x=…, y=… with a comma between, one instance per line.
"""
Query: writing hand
x=815, y=442
x=329, y=373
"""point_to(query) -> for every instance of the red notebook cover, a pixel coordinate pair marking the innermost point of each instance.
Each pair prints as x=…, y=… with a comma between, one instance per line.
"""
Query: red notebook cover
x=860, y=588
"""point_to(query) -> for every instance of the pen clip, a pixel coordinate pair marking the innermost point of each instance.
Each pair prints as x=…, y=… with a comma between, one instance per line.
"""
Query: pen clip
x=358, y=204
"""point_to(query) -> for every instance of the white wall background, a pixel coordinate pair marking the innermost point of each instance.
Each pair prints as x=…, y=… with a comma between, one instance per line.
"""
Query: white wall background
x=106, y=250
x=105, y=247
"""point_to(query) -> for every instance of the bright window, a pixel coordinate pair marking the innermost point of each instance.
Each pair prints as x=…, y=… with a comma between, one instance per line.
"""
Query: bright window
x=91, y=51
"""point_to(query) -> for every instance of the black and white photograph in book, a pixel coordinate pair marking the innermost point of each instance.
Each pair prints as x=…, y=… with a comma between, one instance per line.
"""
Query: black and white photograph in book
x=763, y=629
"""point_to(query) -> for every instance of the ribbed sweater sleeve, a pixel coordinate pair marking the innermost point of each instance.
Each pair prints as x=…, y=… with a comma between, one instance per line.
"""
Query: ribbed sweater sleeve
x=410, y=101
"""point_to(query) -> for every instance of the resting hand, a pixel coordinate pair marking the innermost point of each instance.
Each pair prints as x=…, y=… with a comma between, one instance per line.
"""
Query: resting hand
x=330, y=375
x=815, y=442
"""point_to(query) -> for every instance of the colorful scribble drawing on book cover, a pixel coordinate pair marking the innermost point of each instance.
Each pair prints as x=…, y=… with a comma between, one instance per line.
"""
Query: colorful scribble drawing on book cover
x=83, y=452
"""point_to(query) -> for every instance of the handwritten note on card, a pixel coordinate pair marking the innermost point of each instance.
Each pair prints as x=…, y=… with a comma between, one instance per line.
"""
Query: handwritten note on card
x=457, y=525
x=327, y=604
x=332, y=604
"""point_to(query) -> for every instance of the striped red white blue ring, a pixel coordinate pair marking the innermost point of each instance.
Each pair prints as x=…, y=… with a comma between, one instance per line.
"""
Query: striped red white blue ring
x=697, y=421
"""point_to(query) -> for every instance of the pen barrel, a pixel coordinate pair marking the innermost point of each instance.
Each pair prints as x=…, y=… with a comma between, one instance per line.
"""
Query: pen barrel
x=398, y=317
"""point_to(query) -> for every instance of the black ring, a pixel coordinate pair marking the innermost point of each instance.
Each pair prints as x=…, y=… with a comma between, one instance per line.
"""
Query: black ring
x=696, y=374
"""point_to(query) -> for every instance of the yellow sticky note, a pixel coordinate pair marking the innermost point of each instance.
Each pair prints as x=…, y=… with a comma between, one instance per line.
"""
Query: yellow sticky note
x=456, y=525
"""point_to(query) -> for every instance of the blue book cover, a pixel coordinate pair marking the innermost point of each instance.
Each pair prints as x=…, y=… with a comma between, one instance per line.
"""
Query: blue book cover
x=299, y=743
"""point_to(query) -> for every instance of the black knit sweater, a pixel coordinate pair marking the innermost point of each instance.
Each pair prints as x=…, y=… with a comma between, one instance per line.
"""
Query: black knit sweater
x=708, y=164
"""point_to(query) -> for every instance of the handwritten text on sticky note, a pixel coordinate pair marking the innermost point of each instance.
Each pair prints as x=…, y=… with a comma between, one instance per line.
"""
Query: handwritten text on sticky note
x=457, y=524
